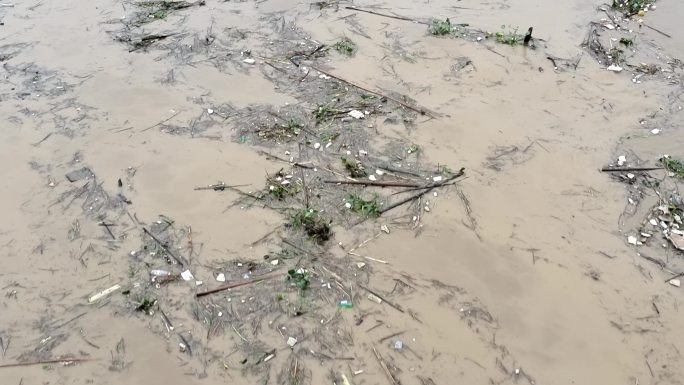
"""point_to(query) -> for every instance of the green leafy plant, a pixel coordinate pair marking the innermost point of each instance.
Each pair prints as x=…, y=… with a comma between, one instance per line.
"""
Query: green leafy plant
x=280, y=187
x=440, y=28
x=160, y=14
x=675, y=166
x=367, y=208
x=355, y=168
x=627, y=42
x=630, y=5
x=617, y=56
x=329, y=136
x=145, y=304
x=299, y=278
x=324, y=113
x=345, y=46
x=316, y=227
x=292, y=125
x=509, y=36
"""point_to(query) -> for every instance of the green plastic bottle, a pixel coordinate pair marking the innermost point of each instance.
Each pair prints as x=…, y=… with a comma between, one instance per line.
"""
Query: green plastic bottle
x=345, y=304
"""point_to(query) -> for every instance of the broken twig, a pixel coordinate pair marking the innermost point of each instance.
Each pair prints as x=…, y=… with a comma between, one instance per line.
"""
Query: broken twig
x=43, y=362
x=397, y=307
x=384, y=367
x=178, y=260
x=427, y=188
x=236, y=284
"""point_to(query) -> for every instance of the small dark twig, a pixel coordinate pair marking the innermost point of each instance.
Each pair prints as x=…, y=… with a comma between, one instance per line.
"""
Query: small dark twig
x=178, y=260
x=657, y=30
x=628, y=169
x=397, y=307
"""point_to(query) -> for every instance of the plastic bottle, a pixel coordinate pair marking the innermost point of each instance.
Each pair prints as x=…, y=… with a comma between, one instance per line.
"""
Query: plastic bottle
x=345, y=304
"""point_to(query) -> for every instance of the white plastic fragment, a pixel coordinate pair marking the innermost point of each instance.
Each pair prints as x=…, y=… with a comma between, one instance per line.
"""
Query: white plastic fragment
x=675, y=282
x=360, y=265
x=291, y=342
x=187, y=275
x=379, y=172
x=210, y=111
x=317, y=146
x=356, y=114
x=348, y=205
x=372, y=177
x=632, y=240
x=614, y=68
x=622, y=160
x=275, y=262
x=653, y=221
x=249, y=61
x=655, y=131
x=385, y=229
x=221, y=277
x=437, y=178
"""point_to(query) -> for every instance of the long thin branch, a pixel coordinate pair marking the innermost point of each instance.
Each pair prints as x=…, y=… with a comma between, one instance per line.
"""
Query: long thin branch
x=237, y=284
x=43, y=362
x=374, y=183
x=428, y=189
x=628, y=169
x=419, y=109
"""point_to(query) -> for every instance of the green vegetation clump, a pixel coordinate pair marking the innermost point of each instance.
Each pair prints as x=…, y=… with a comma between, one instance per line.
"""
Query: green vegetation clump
x=509, y=36
x=315, y=226
x=345, y=46
x=367, y=208
x=354, y=167
x=675, y=166
x=440, y=28
x=627, y=42
x=633, y=6
x=299, y=278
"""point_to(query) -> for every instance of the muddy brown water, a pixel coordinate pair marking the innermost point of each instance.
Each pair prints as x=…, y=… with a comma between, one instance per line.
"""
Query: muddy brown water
x=546, y=219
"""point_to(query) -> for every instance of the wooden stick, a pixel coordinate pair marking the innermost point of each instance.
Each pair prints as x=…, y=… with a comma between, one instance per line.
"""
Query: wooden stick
x=399, y=308
x=352, y=8
x=166, y=249
x=419, y=110
x=383, y=339
x=657, y=30
x=385, y=368
x=627, y=169
x=236, y=284
x=428, y=188
x=43, y=362
x=374, y=183
x=219, y=187
x=674, y=277
x=161, y=122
